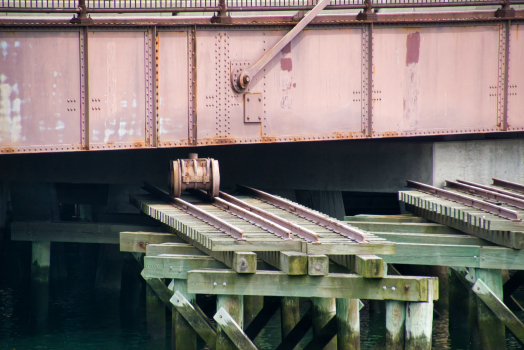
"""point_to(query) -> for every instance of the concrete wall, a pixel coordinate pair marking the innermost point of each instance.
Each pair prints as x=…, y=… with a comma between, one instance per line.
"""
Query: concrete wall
x=478, y=161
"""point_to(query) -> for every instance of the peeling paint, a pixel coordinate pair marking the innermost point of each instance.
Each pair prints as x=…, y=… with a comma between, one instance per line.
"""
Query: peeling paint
x=412, y=48
x=123, y=103
x=10, y=118
x=4, y=45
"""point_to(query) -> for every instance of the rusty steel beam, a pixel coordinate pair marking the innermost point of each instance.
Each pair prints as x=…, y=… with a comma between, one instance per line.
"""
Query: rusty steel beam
x=295, y=229
x=508, y=185
x=308, y=214
x=467, y=201
x=486, y=194
x=493, y=189
x=272, y=227
x=193, y=210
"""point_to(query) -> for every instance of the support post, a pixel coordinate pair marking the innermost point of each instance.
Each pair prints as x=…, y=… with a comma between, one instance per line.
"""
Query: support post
x=419, y=322
x=184, y=336
x=395, y=324
x=492, y=334
x=40, y=262
x=323, y=310
x=348, y=320
x=252, y=306
x=234, y=305
x=155, y=315
x=289, y=314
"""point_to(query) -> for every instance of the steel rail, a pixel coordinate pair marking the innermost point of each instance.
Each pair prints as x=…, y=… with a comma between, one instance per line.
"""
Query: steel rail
x=508, y=185
x=193, y=210
x=294, y=228
x=308, y=214
x=486, y=194
x=249, y=216
x=493, y=189
x=467, y=201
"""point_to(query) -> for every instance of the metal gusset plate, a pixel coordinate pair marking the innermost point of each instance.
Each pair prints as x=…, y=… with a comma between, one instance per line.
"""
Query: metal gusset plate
x=486, y=194
x=308, y=214
x=294, y=228
x=193, y=210
x=467, y=201
x=252, y=217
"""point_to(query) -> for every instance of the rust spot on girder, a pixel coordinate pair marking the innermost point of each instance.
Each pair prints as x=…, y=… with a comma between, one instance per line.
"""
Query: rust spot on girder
x=413, y=48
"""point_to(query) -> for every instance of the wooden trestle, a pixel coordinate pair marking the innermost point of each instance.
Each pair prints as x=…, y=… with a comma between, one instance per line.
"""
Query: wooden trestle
x=335, y=272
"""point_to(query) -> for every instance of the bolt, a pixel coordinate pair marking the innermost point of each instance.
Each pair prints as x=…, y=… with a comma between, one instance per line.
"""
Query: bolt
x=478, y=288
x=224, y=284
x=392, y=288
x=384, y=287
x=214, y=283
x=177, y=301
x=474, y=256
x=406, y=287
x=246, y=80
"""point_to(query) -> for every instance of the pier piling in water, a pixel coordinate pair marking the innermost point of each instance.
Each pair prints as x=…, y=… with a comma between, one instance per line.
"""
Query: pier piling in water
x=40, y=263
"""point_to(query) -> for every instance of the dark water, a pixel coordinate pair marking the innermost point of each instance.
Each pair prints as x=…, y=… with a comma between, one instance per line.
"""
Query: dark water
x=80, y=318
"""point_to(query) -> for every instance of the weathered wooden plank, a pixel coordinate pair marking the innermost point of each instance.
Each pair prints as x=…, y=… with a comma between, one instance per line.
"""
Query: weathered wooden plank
x=234, y=305
x=395, y=324
x=244, y=262
x=432, y=254
x=177, y=266
x=419, y=323
x=501, y=258
x=40, y=263
x=351, y=249
x=431, y=238
x=368, y=266
x=289, y=314
x=271, y=306
x=233, y=330
x=318, y=265
x=403, y=227
x=276, y=283
x=348, y=324
x=183, y=335
x=74, y=232
x=499, y=309
x=138, y=241
x=155, y=314
x=195, y=318
x=293, y=263
x=386, y=218
x=172, y=248
x=298, y=332
x=492, y=334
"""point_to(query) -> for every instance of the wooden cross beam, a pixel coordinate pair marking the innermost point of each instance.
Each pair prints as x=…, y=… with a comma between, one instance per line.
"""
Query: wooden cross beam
x=276, y=283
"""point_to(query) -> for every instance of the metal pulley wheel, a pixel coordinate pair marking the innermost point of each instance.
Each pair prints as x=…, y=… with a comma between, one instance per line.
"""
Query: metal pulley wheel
x=194, y=173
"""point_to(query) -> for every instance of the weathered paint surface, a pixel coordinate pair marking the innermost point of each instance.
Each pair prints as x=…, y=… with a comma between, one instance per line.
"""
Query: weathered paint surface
x=425, y=81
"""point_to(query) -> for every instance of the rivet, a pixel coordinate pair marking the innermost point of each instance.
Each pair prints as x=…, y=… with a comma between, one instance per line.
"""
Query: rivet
x=392, y=288
x=384, y=287
x=214, y=283
x=224, y=284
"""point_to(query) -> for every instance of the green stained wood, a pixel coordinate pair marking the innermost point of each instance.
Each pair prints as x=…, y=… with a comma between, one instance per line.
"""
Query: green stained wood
x=368, y=266
x=155, y=315
x=138, y=241
x=75, y=232
x=184, y=335
x=289, y=314
x=348, y=321
x=419, y=323
x=324, y=309
x=432, y=254
x=492, y=334
x=40, y=263
x=403, y=227
x=234, y=306
x=161, y=290
x=317, y=265
x=276, y=283
x=172, y=248
x=176, y=266
x=233, y=330
x=395, y=324
x=195, y=318
x=294, y=263
x=244, y=262
x=499, y=309
x=501, y=258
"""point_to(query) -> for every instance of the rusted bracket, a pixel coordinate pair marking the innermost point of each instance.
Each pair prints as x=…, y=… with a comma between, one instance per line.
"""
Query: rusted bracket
x=508, y=185
x=82, y=17
x=486, y=194
x=308, y=214
x=241, y=82
x=249, y=216
x=295, y=229
x=193, y=210
x=467, y=201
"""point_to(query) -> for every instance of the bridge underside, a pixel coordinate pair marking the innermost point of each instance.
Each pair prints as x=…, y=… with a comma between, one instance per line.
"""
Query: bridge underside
x=157, y=83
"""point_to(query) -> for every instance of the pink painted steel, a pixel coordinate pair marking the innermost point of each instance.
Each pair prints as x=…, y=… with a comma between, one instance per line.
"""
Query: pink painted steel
x=117, y=89
x=173, y=89
x=516, y=79
x=40, y=91
x=435, y=80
